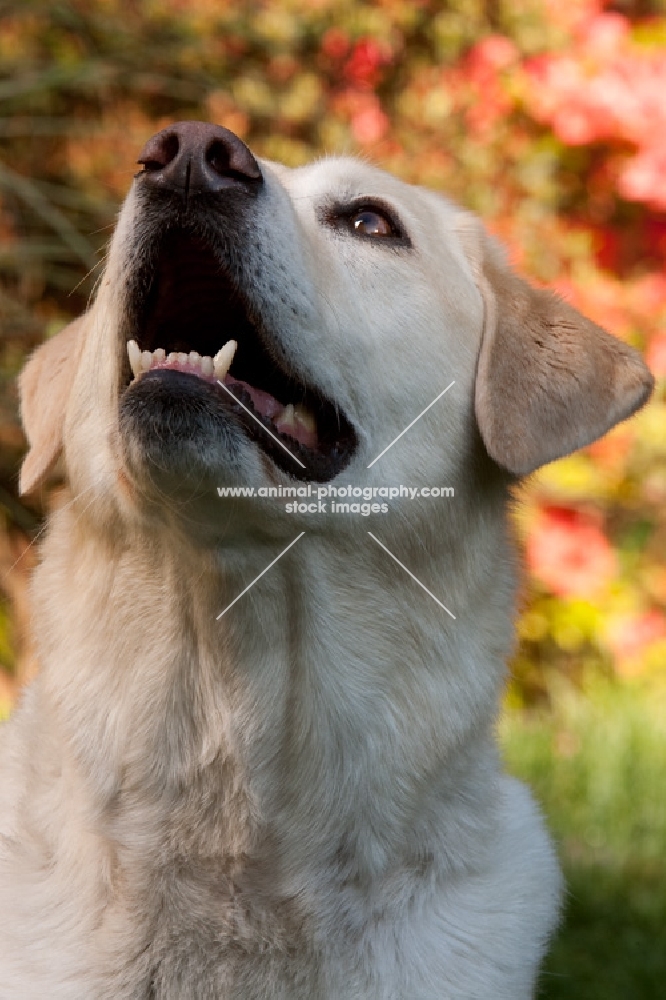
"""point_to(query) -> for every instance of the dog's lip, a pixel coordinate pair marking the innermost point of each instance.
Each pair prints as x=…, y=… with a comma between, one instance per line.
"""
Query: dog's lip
x=163, y=389
x=186, y=302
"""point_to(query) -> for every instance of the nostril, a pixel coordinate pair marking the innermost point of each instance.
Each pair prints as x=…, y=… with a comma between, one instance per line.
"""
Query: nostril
x=230, y=159
x=217, y=157
x=160, y=151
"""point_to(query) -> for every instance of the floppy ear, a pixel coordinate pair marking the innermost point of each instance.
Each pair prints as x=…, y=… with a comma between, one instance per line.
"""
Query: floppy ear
x=548, y=380
x=44, y=386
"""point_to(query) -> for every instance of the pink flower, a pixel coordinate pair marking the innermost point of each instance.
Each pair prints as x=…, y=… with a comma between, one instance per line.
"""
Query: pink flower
x=575, y=126
x=604, y=35
x=569, y=553
x=629, y=635
x=493, y=53
x=644, y=177
x=483, y=69
x=574, y=14
x=607, y=88
x=369, y=124
x=655, y=356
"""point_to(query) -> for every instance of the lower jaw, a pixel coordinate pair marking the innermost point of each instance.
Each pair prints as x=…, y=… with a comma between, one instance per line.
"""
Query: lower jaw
x=295, y=422
x=164, y=405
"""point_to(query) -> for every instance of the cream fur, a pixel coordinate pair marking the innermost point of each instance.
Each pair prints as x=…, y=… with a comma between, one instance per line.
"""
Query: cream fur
x=302, y=801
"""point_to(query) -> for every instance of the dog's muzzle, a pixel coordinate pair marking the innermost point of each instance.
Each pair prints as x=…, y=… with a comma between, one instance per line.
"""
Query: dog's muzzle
x=203, y=336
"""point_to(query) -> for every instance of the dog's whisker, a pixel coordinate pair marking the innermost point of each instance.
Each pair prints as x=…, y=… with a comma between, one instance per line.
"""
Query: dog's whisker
x=99, y=263
x=102, y=229
x=95, y=288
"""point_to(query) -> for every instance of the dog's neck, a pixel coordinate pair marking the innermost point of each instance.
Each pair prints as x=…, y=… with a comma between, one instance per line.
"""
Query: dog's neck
x=323, y=708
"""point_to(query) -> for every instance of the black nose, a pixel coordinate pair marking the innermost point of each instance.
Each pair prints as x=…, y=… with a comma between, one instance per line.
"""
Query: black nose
x=196, y=156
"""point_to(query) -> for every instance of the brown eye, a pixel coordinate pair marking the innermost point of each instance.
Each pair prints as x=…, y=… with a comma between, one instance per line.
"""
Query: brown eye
x=370, y=222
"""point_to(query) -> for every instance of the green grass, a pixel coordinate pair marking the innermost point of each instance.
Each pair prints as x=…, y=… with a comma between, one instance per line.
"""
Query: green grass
x=597, y=764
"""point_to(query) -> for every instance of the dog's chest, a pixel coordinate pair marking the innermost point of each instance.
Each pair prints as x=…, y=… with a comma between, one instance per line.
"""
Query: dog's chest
x=209, y=934
x=231, y=973
x=213, y=937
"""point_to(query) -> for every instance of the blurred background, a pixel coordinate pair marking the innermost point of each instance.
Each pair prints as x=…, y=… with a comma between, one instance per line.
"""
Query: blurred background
x=548, y=117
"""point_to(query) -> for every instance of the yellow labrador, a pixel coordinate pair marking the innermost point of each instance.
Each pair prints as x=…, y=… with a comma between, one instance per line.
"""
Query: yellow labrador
x=259, y=761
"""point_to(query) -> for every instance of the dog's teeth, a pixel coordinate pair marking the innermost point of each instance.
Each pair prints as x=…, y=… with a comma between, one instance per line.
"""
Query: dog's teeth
x=142, y=361
x=287, y=418
x=305, y=418
x=223, y=358
x=294, y=420
x=134, y=355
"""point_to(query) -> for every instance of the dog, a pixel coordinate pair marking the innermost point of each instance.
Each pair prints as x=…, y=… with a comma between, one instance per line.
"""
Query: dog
x=259, y=760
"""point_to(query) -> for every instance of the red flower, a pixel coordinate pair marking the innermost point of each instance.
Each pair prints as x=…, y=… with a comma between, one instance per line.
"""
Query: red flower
x=569, y=553
x=363, y=68
x=335, y=43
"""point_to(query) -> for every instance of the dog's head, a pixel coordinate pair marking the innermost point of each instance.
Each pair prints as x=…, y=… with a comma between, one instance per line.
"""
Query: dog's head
x=352, y=300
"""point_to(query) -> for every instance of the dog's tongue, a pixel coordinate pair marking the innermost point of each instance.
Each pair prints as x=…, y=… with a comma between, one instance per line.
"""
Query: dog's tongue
x=263, y=402
x=290, y=420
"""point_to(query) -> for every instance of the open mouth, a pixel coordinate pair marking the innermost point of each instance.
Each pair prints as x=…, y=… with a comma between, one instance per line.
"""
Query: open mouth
x=194, y=320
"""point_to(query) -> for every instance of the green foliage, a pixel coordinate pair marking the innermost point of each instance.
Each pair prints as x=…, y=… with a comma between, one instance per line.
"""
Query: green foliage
x=596, y=762
x=546, y=118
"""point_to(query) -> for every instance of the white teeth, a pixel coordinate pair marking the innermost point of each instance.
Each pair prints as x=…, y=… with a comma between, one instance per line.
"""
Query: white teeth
x=142, y=361
x=134, y=355
x=291, y=418
x=288, y=417
x=292, y=415
x=223, y=358
x=305, y=418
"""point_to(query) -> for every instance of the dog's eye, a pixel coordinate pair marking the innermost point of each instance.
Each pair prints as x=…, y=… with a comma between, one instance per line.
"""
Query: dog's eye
x=371, y=222
x=368, y=220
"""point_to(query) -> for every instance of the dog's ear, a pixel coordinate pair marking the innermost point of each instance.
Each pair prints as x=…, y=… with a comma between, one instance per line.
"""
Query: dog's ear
x=44, y=387
x=548, y=380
